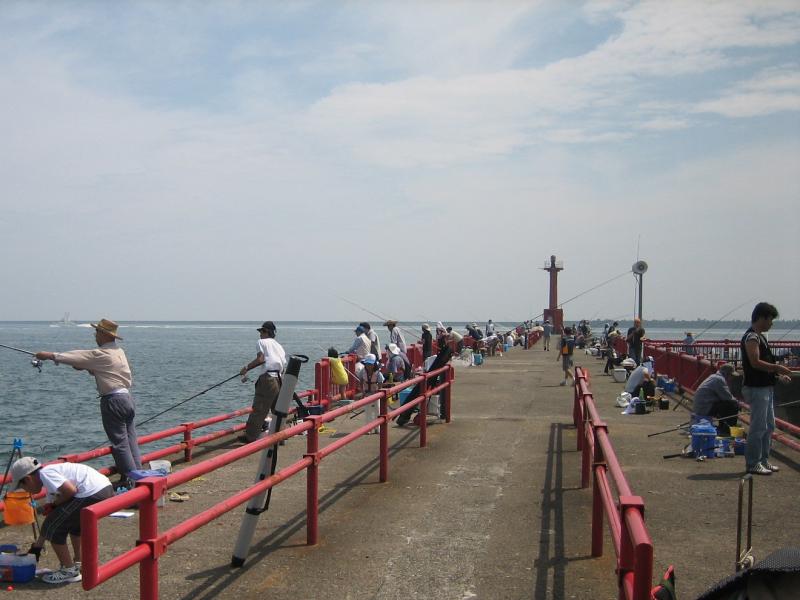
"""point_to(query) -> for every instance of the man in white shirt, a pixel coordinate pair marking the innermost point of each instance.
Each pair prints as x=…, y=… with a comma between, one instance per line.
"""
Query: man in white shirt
x=374, y=341
x=361, y=343
x=69, y=487
x=271, y=361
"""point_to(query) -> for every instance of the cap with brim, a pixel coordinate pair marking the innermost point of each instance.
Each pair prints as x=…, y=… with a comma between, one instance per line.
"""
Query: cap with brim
x=394, y=349
x=267, y=326
x=22, y=468
x=390, y=322
x=359, y=330
x=108, y=327
x=426, y=327
x=369, y=359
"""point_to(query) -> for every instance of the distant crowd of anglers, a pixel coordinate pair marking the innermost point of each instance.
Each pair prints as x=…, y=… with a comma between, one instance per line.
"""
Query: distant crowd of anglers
x=71, y=486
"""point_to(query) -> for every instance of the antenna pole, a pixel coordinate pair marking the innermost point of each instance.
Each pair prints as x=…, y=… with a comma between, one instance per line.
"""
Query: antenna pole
x=641, y=275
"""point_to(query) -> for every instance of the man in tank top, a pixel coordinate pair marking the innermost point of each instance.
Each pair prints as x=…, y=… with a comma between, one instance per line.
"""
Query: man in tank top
x=758, y=388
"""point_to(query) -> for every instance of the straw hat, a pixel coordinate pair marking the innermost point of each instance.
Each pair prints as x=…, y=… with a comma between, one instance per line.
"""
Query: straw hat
x=108, y=327
x=390, y=323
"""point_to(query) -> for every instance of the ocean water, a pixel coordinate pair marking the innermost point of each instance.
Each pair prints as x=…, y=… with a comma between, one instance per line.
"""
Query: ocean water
x=57, y=411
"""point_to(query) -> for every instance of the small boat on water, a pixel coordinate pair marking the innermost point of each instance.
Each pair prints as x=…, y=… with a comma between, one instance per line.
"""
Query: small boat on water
x=64, y=322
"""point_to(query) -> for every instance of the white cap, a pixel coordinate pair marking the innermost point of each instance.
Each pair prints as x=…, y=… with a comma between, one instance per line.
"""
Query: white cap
x=22, y=468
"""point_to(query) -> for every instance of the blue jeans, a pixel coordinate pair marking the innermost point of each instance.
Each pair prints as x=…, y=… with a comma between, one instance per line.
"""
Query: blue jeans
x=762, y=424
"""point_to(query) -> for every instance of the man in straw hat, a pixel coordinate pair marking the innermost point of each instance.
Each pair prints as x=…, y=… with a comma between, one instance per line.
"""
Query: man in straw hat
x=112, y=374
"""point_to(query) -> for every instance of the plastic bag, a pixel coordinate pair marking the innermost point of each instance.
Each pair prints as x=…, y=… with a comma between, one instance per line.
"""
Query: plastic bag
x=623, y=400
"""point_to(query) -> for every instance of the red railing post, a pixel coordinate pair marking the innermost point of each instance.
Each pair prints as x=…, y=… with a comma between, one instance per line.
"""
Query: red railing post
x=187, y=441
x=423, y=414
x=148, y=534
x=312, y=481
x=384, y=440
x=627, y=554
x=448, y=393
x=597, y=517
x=90, y=552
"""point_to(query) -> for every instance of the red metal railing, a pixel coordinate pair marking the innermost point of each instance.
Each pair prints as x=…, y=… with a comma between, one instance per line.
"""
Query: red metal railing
x=629, y=535
x=152, y=543
x=727, y=350
x=187, y=445
x=690, y=371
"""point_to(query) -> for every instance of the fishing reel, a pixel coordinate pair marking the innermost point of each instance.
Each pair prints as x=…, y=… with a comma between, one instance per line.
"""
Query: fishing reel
x=37, y=364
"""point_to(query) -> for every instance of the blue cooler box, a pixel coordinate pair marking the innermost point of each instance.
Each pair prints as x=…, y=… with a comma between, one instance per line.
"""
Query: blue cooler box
x=704, y=436
x=17, y=569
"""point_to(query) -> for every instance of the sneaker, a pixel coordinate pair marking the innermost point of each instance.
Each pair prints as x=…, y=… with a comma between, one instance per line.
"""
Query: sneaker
x=770, y=466
x=759, y=469
x=63, y=575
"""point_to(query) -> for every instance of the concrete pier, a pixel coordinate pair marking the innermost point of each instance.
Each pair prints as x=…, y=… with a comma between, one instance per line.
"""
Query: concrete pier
x=491, y=509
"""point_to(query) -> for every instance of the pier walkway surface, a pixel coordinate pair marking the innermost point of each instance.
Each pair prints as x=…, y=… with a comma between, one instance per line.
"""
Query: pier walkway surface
x=491, y=509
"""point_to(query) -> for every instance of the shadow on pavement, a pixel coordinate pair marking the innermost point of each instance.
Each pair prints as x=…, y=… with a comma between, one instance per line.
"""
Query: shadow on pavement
x=221, y=577
x=551, y=535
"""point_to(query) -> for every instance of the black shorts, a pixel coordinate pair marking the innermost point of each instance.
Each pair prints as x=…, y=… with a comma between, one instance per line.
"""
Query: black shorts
x=66, y=518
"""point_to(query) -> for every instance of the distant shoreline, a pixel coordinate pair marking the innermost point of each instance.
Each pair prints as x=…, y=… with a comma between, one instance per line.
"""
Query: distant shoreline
x=690, y=325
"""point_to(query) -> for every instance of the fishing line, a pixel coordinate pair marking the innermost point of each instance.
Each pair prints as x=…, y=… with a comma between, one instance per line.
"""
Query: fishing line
x=384, y=319
x=788, y=332
x=723, y=316
x=591, y=289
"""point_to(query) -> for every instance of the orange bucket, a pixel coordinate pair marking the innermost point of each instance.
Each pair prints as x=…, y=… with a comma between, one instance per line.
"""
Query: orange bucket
x=18, y=509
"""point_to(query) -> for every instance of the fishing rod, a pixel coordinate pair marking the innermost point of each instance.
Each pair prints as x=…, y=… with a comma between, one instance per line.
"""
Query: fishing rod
x=722, y=317
x=788, y=332
x=35, y=362
x=174, y=406
x=378, y=316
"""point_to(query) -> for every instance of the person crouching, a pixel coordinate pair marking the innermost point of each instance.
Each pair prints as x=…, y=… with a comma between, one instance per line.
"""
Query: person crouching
x=69, y=488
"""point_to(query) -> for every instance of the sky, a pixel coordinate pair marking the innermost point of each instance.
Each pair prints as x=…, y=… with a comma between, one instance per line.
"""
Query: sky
x=422, y=160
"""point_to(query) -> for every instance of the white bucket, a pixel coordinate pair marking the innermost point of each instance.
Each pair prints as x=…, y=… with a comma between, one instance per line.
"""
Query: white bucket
x=620, y=375
x=161, y=464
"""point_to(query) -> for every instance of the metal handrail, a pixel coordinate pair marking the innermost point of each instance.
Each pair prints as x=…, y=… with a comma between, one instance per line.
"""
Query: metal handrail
x=630, y=538
x=151, y=543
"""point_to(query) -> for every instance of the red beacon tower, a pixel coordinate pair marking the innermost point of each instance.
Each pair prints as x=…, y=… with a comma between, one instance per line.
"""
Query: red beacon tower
x=555, y=314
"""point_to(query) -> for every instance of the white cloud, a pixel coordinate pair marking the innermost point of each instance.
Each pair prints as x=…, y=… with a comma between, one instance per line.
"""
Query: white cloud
x=772, y=90
x=664, y=124
x=387, y=121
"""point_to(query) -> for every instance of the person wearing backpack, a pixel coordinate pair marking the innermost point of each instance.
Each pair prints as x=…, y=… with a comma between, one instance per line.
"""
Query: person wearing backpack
x=565, y=349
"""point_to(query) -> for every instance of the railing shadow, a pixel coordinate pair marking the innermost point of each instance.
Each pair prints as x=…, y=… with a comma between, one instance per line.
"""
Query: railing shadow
x=218, y=578
x=551, y=536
